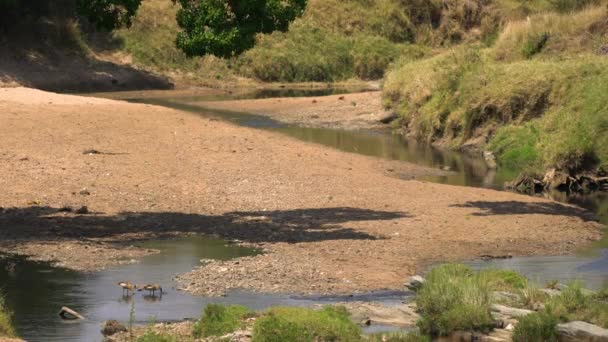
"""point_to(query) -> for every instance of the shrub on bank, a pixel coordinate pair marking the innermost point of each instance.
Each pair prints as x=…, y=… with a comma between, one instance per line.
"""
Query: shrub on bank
x=454, y=298
x=218, y=320
x=151, y=336
x=575, y=304
x=6, y=322
x=305, y=53
x=538, y=326
x=303, y=325
x=398, y=337
x=537, y=113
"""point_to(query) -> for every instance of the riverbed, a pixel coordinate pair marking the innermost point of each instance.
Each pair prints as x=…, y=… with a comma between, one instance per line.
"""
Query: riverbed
x=369, y=232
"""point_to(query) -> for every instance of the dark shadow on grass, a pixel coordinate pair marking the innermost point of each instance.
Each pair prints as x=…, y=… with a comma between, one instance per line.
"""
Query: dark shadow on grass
x=490, y=208
x=45, y=55
x=299, y=225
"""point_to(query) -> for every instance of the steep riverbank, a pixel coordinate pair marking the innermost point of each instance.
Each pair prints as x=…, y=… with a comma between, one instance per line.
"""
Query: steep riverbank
x=330, y=222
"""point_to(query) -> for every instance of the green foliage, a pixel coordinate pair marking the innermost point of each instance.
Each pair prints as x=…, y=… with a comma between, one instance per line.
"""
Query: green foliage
x=303, y=325
x=105, y=14
x=219, y=320
x=574, y=304
x=150, y=41
x=6, y=322
x=538, y=326
x=516, y=145
x=151, y=336
x=372, y=55
x=302, y=54
x=306, y=53
x=398, y=337
x=571, y=5
x=534, y=44
x=108, y=14
x=504, y=280
x=454, y=298
x=228, y=27
x=545, y=112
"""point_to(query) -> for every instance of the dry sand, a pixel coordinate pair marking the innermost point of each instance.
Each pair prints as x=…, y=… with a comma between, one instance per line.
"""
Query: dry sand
x=331, y=222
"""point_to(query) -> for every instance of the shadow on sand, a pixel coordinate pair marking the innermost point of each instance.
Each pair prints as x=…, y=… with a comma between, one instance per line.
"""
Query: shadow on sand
x=490, y=208
x=298, y=225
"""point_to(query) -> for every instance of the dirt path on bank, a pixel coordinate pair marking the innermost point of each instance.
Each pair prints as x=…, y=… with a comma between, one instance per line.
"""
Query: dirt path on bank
x=331, y=222
x=348, y=111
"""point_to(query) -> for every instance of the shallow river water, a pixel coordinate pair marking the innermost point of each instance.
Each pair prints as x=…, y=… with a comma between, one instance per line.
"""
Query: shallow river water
x=36, y=291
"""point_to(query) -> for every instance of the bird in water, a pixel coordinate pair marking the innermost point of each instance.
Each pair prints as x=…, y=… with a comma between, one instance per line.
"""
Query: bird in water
x=152, y=288
x=127, y=286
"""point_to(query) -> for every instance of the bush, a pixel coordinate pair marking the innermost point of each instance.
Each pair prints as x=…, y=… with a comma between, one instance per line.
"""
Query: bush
x=454, y=298
x=534, y=44
x=504, y=280
x=516, y=146
x=538, y=326
x=6, y=322
x=151, y=336
x=573, y=304
x=304, y=53
x=372, y=55
x=552, y=35
x=571, y=5
x=398, y=337
x=303, y=325
x=219, y=320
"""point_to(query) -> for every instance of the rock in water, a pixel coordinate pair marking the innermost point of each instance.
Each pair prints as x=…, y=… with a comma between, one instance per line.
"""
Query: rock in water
x=490, y=159
x=581, y=331
x=388, y=118
x=112, y=327
x=415, y=283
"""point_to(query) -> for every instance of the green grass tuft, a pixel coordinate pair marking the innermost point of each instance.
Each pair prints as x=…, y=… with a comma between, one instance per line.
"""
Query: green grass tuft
x=218, y=320
x=303, y=325
x=6, y=321
x=151, y=336
x=398, y=337
x=504, y=280
x=454, y=298
x=535, y=327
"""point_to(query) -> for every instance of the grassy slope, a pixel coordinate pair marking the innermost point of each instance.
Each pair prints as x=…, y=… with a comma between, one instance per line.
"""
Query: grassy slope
x=535, y=94
x=150, y=43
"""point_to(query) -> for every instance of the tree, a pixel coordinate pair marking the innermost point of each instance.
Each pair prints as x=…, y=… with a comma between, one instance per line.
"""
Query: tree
x=105, y=14
x=108, y=14
x=220, y=27
x=228, y=27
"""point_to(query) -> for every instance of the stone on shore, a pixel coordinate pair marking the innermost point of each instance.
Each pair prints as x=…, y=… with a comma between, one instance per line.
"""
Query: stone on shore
x=415, y=283
x=581, y=332
x=112, y=327
x=510, y=312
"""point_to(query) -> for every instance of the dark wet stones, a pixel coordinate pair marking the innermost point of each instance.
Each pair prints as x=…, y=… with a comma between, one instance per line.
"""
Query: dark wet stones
x=112, y=327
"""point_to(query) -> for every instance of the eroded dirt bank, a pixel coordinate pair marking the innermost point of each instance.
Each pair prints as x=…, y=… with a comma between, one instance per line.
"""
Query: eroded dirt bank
x=331, y=222
x=348, y=111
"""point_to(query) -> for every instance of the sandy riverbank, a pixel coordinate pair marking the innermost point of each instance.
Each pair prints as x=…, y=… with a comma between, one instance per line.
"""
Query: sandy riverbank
x=348, y=111
x=331, y=222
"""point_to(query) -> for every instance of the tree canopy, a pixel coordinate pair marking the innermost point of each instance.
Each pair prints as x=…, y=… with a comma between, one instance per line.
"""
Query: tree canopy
x=220, y=27
x=228, y=27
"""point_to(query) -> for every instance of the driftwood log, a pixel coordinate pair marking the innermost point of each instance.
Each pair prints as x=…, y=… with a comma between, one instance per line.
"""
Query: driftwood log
x=69, y=314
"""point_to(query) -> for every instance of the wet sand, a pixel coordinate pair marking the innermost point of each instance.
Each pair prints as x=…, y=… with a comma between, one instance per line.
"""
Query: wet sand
x=348, y=111
x=329, y=221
